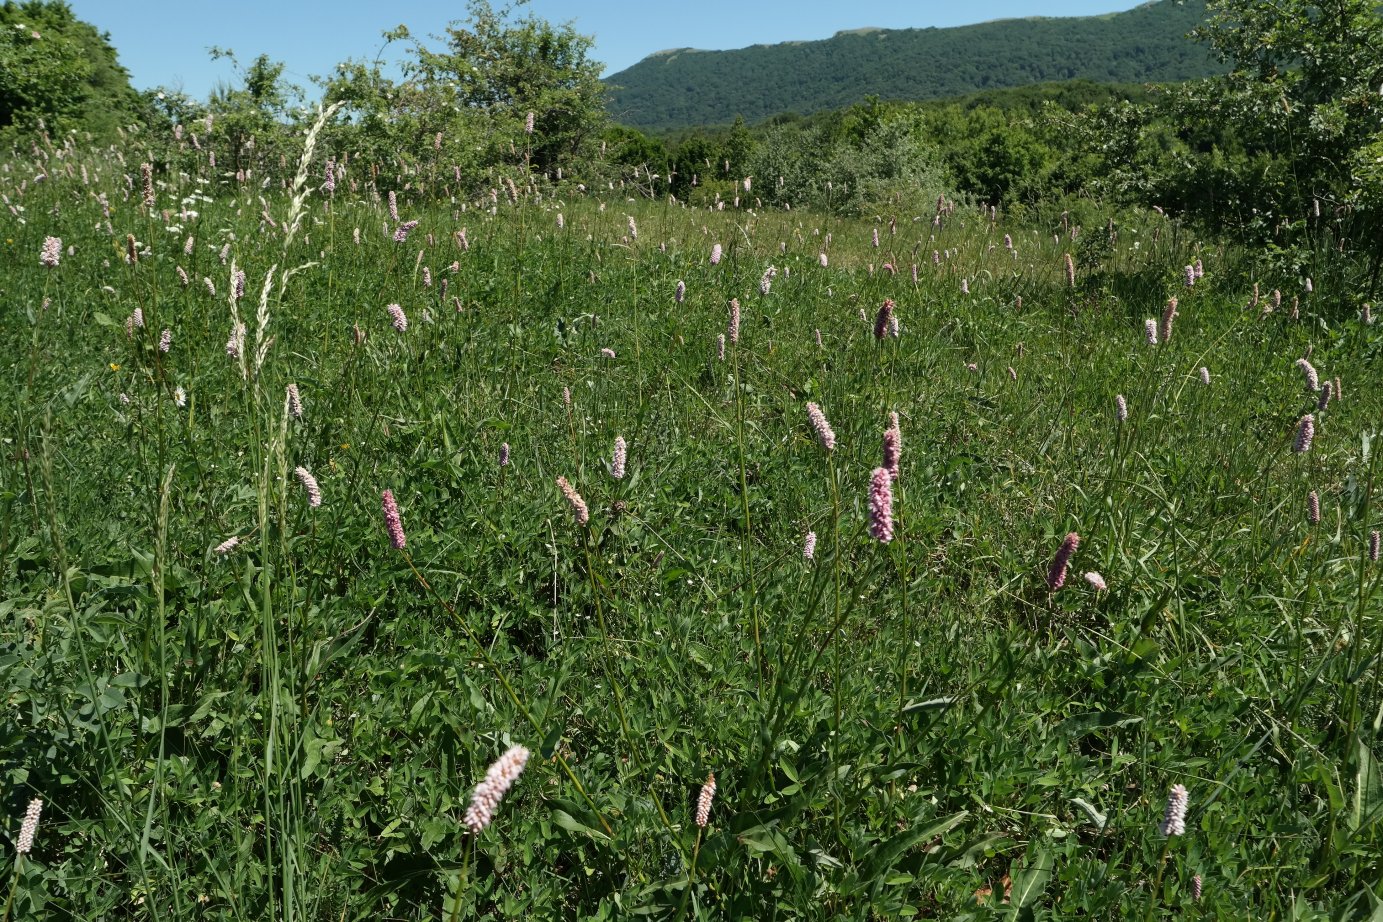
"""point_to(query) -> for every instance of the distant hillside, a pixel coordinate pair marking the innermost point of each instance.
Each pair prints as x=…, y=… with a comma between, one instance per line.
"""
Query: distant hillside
x=682, y=87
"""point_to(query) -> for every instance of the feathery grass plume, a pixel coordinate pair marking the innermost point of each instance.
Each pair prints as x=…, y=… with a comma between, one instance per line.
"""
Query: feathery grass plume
x=1313, y=381
x=892, y=448
x=299, y=189
x=1205, y=375
x=392, y=521
x=1070, y=271
x=1373, y=546
x=1174, y=820
x=703, y=801
x=146, y=173
x=52, y=252
x=504, y=455
x=1169, y=314
x=732, y=326
x=881, y=505
x=400, y=319
x=1056, y=573
x=1095, y=579
x=314, y=492
x=1313, y=508
x=1327, y=389
x=1306, y=432
x=720, y=347
x=617, y=460
x=1150, y=331
x=491, y=791
x=1121, y=408
x=680, y=293
x=228, y=545
x=809, y=545
x=29, y=828
x=824, y=434
x=881, y=320
x=818, y=339
x=295, y=402
x=716, y=252
x=578, y=505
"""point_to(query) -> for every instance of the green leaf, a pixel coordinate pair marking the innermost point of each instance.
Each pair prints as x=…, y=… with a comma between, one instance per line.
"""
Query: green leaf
x=1032, y=879
x=1094, y=815
x=572, y=824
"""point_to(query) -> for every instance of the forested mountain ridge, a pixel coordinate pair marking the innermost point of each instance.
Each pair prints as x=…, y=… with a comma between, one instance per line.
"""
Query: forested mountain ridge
x=683, y=87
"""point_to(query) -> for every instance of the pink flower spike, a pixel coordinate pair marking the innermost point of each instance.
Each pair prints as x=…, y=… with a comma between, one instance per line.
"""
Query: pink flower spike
x=703, y=801
x=881, y=320
x=824, y=433
x=1056, y=574
x=578, y=505
x=881, y=505
x=491, y=791
x=392, y=521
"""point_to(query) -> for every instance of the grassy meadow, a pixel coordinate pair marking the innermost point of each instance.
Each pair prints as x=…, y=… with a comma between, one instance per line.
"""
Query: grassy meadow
x=236, y=704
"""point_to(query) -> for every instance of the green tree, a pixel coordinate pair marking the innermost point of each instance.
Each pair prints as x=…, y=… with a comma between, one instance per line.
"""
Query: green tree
x=1290, y=138
x=493, y=71
x=55, y=67
x=251, y=120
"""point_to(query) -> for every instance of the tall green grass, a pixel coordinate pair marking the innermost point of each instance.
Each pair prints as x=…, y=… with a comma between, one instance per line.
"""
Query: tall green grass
x=294, y=729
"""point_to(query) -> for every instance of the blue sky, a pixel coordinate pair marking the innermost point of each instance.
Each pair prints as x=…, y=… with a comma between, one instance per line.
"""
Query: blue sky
x=165, y=42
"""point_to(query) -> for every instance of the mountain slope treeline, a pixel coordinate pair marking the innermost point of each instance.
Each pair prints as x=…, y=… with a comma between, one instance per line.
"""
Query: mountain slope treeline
x=687, y=87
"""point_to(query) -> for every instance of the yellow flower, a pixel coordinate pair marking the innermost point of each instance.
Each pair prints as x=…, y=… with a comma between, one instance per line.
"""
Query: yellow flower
x=114, y=366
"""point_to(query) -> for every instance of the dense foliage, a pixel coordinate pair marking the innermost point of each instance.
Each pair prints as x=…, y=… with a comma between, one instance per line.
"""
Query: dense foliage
x=905, y=510
x=59, y=70
x=291, y=724
x=686, y=87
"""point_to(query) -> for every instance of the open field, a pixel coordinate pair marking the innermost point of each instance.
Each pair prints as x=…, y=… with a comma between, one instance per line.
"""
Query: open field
x=291, y=725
